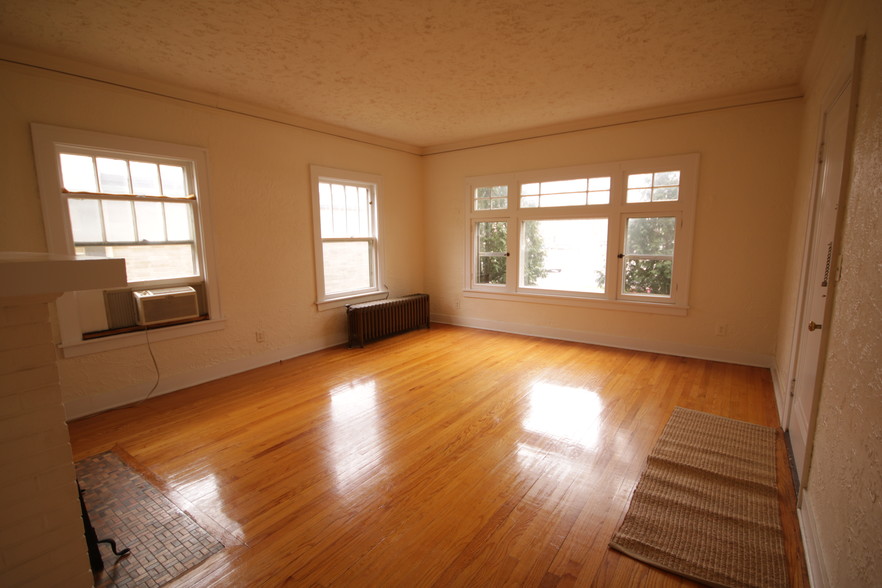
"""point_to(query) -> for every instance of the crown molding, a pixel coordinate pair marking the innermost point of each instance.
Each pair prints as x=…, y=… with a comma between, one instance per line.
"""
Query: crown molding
x=85, y=71
x=93, y=73
x=785, y=93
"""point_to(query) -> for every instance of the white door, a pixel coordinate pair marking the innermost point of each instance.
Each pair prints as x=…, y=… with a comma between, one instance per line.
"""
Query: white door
x=821, y=269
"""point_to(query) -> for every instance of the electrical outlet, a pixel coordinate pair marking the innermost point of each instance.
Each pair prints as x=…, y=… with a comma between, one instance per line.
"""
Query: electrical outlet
x=458, y=304
x=260, y=336
x=722, y=330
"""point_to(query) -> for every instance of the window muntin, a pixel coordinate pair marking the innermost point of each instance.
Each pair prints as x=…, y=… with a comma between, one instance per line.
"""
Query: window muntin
x=576, y=232
x=347, y=248
x=574, y=192
x=133, y=209
x=491, y=198
x=654, y=187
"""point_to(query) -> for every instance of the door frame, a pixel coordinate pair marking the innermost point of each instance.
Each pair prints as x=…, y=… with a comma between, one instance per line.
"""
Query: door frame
x=846, y=79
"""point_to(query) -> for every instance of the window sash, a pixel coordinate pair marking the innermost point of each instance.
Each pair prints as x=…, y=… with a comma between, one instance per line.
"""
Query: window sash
x=140, y=238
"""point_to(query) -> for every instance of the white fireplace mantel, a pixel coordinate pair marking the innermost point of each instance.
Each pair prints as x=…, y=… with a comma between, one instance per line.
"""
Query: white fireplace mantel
x=39, y=274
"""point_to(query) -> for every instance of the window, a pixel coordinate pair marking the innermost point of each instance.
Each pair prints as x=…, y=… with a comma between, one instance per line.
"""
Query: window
x=142, y=201
x=137, y=209
x=617, y=233
x=347, y=241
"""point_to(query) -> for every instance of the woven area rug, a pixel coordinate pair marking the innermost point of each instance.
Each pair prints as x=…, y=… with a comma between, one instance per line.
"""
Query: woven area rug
x=706, y=504
x=164, y=542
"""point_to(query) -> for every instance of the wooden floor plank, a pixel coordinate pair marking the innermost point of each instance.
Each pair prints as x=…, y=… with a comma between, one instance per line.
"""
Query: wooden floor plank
x=445, y=457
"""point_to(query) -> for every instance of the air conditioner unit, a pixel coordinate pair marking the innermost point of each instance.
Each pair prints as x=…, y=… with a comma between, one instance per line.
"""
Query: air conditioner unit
x=166, y=304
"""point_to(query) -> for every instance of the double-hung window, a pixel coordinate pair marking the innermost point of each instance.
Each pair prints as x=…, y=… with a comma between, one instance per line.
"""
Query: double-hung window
x=617, y=232
x=138, y=200
x=347, y=251
x=135, y=207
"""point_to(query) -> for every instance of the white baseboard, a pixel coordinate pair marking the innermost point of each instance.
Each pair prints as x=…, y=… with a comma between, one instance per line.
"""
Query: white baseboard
x=782, y=389
x=633, y=343
x=79, y=407
x=811, y=545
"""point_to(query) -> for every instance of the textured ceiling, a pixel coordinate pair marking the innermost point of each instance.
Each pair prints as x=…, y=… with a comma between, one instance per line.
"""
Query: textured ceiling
x=429, y=72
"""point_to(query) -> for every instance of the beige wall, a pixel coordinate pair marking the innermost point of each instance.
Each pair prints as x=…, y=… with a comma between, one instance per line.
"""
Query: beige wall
x=262, y=220
x=748, y=159
x=842, y=513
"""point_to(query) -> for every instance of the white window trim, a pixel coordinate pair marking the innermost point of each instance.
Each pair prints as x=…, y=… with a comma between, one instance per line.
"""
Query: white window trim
x=378, y=292
x=617, y=211
x=48, y=140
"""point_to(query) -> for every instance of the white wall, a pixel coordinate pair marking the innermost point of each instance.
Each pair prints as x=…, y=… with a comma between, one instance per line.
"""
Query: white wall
x=748, y=160
x=262, y=219
x=842, y=512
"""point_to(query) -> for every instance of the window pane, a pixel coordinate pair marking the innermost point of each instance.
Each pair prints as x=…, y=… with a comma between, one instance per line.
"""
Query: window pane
x=119, y=223
x=578, y=185
x=640, y=195
x=492, y=237
x=529, y=189
x=598, y=197
x=529, y=202
x=145, y=178
x=639, y=181
x=670, y=178
x=650, y=236
x=113, y=176
x=85, y=220
x=491, y=270
x=151, y=224
x=662, y=194
x=577, y=199
x=77, y=173
x=567, y=255
x=173, y=182
x=347, y=266
x=150, y=262
x=178, y=221
x=599, y=183
x=651, y=277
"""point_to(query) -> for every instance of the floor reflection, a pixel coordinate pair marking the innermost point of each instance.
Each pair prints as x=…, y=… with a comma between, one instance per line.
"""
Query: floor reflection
x=355, y=432
x=564, y=413
x=207, y=493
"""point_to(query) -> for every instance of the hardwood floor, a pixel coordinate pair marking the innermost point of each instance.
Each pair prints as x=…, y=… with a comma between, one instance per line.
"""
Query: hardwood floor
x=447, y=457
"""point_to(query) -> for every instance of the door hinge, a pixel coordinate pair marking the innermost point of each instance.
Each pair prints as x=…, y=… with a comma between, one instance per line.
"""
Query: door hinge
x=793, y=387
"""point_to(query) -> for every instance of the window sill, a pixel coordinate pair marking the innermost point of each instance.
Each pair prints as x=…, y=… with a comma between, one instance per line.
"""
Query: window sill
x=338, y=302
x=629, y=305
x=133, y=339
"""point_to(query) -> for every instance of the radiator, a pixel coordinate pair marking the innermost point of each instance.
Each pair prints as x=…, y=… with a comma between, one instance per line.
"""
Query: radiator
x=370, y=321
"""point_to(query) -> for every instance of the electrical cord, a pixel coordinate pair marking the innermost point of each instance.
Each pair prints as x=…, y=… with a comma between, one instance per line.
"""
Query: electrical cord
x=155, y=367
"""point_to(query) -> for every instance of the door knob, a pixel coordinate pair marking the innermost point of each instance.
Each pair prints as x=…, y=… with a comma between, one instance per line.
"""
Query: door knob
x=813, y=326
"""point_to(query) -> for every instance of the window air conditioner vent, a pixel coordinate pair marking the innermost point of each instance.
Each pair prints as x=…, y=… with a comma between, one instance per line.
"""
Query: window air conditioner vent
x=166, y=304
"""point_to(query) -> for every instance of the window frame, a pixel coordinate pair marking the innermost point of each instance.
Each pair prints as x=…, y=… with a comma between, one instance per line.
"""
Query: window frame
x=49, y=142
x=616, y=212
x=321, y=174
